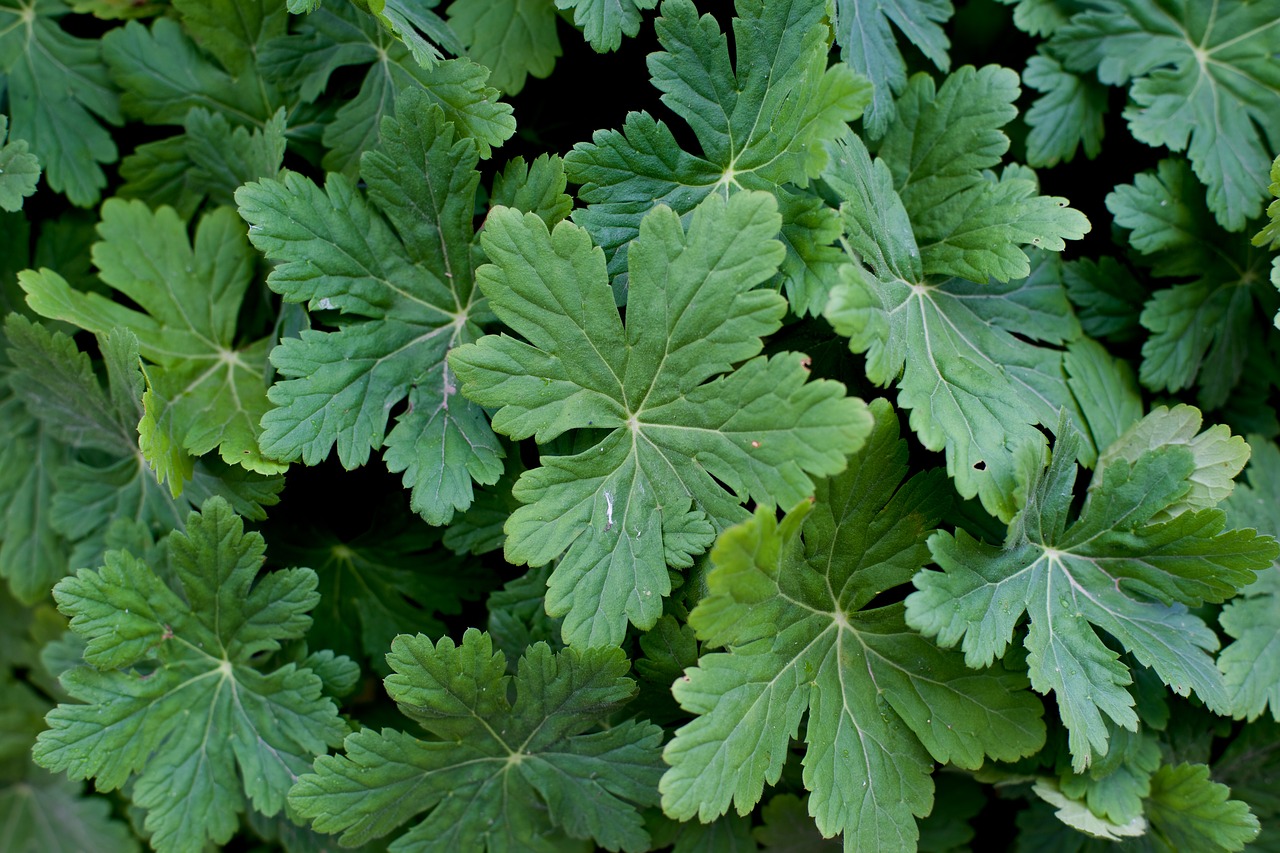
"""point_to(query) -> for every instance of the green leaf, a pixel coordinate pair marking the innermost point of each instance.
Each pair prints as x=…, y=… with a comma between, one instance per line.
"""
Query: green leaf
x=786, y=599
x=106, y=478
x=1075, y=814
x=398, y=266
x=1199, y=81
x=387, y=580
x=1113, y=569
x=1114, y=787
x=1107, y=297
x=974, y=388
x=512, y=38
x=340, y=35
x=968, y=221
x=678, y=417
x=212, y=159
x=46, y=814
x=605, y=22
x=761, y=123
x=787, y=828
x=203, y=714
x=1068, y=115
x=19, y=170
x=1250, y=665
x=57, y=85
x=868, y=45
x=207, y=389
x=518, y=617
x=1204, y=330
x=1190, y=812
x=497, y=774
x=1105, y=392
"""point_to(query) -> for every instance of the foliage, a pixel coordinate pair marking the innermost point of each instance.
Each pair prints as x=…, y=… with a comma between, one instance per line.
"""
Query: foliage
x=606, y=285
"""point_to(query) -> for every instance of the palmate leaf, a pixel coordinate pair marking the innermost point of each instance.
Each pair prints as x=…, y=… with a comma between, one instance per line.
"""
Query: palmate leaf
x=1203, y=331
x=392, y=578
x=340, y=35
x=58, y=91
x=760, y=121
x=1251, y=665
x=170, y=696
x=786, y=599
x=605, y=22
x=868, y=44
x=19, y=170
x=1202, y=79
x=497, y=774
x=105, y=478
x=398, y=266
x=678, y=417
x=207, y=389
x=1113, y=568
x=514, y=39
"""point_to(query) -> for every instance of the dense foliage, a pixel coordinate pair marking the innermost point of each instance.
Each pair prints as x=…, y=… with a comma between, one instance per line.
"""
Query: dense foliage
x=809, y=425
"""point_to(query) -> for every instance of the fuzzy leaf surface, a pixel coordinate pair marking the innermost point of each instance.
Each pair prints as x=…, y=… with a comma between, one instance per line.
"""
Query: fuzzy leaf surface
x=495, y=774
x=397, y=264
x=1113, y=569
x=678, y=417
x=787, y=600
x=203, y=733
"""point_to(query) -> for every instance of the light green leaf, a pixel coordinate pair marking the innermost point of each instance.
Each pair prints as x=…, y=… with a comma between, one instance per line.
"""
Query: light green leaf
x=1188, y=811
x=398, y=264
x=678, y=417
x=973, y=387
x=1200, y=80
x=208, y=391
x=761, y=122
x=1115, y=784
x=868, y=45
x=967, y=221
x=605, y=22
x=57, y=84
x=1251, y=664
x=1112, y=569
x=786, y=600
x=496, y=774
x=106, y=478
x=19, y=170
x=1077, y=815
x=340, y=35
x=1105, y=392
x=198, y=715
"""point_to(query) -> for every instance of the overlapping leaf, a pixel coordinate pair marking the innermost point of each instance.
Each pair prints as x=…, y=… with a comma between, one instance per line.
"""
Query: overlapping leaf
x=207, y=388
x=761, y=124
x=678, y=417
x=496, y=774
x=19, y=169
x=103, y=477
x=1113, y=568
x=786, y=599
x=340, y=35
x=58, y=91
x=868, y=44
x=1251, y=664
x=398, y=264
x=170, y=696
x=1202, y=79
x=1204, y=330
